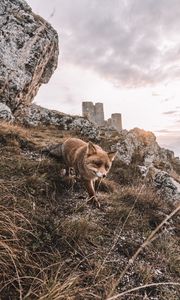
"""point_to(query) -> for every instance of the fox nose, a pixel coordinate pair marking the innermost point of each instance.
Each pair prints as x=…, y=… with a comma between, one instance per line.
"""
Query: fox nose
x=101, y=175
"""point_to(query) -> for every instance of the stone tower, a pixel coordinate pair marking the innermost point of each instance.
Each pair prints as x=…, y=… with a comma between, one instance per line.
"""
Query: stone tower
x=95, y=114
x=116, y=121
x=88, y=111
x=99, y=113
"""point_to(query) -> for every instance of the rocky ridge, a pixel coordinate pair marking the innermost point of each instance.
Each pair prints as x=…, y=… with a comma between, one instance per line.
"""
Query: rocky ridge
x=35, y=115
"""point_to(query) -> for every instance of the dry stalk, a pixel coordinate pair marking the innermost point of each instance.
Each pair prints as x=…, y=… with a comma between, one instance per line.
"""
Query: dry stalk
x=142, y=287
x=146, y=242
x=116, y=238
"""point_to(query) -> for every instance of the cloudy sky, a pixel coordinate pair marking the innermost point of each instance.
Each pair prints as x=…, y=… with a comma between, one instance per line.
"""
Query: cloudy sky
x=124, y=53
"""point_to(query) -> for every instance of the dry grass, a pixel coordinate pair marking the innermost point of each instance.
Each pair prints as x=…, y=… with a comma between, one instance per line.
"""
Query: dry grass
x=78, y=228
x=54, y=245
x=148, y=207
x=125, y=174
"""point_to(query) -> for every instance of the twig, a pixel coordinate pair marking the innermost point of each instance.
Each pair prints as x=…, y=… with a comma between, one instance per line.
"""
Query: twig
x=142, y=287
x=116, y=238
x=146, y=242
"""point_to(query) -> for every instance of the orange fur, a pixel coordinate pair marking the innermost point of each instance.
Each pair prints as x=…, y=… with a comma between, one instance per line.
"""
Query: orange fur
x=90, y=161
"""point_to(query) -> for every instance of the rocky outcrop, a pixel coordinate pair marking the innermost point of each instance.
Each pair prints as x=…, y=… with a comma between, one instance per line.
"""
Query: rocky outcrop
x=167, y=184
x=35, y=115
x=141, y=146
x=28, y=53
x=169, y=187
x=157, y=165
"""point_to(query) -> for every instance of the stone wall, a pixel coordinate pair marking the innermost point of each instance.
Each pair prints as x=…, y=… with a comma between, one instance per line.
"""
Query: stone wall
x=95, y=114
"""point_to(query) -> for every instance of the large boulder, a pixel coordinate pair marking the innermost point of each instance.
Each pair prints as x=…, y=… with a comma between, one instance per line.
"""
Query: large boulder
x=28, y=53
x=138, y=145
x=140, y=148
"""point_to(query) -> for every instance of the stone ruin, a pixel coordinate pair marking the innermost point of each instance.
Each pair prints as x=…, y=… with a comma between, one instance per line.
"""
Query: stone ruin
x=95, y=114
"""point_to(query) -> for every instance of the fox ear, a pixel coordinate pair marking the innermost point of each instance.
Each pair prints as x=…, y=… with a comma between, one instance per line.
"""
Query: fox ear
x=91, y=149
x=112, y=155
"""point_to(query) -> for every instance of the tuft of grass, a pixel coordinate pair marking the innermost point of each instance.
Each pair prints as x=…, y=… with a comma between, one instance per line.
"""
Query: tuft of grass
x=105, y=185
x=169, y=250
x=147, y=208
x=126, y=174
x=78, y=228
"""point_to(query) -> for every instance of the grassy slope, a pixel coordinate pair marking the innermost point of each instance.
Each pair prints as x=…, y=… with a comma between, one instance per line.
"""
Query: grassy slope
x=55, y=245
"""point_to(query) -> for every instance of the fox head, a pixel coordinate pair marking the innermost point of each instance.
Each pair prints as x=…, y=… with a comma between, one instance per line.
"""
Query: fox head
x=98, y=162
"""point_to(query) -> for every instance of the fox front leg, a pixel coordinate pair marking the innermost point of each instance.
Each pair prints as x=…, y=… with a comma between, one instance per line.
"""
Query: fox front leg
x=89, y=184
x=90, y=187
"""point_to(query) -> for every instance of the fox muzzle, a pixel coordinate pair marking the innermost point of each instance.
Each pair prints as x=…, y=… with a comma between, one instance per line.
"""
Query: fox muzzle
x=100, y=175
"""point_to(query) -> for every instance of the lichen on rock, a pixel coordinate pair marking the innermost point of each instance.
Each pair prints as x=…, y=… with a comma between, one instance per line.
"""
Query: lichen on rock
x=169, y=187
x=138, y=144
x=5, y=113
x=28, y=53
x=35, y=115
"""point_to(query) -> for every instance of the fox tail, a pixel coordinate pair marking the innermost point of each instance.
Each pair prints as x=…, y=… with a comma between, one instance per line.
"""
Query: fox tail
x=54, y=151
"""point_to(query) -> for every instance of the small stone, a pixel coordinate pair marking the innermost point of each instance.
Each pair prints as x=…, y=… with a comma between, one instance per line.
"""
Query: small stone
x=5, y=113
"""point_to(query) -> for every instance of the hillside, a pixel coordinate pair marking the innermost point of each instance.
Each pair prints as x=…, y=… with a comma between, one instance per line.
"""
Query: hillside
x=54, y=245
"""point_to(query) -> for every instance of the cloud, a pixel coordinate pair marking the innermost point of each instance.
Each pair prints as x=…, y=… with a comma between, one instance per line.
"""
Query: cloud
x=131, y=43
x=170, y=112
x=166, y=100
x=155, y=94
x=162, y=131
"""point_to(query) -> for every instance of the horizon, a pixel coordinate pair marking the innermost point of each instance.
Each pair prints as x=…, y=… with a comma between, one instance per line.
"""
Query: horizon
x=124, y=54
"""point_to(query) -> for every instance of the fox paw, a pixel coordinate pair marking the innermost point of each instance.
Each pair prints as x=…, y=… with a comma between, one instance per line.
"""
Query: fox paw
x=94, y=201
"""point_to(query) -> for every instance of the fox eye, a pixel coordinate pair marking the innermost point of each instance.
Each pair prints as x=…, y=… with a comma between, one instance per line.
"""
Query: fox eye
x=97, y=163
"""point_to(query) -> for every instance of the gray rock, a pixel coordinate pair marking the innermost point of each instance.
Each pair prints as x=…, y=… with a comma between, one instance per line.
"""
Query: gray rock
x=144, y=170
x=28, y=53
x=169, y=187
x=141, y=147
x=5, y=113
x=35, y=115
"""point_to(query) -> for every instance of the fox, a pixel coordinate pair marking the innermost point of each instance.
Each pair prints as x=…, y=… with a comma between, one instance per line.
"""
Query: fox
x=87, y=159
